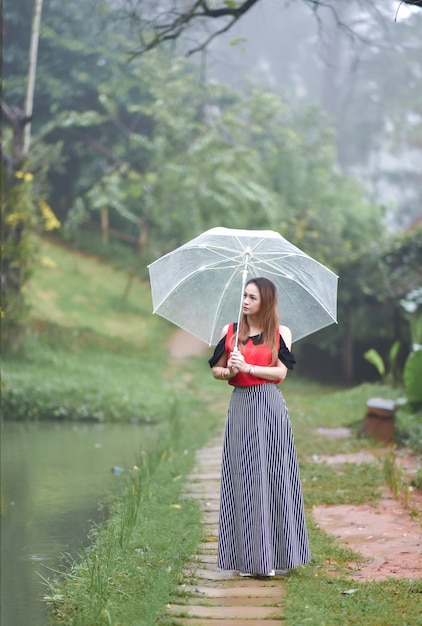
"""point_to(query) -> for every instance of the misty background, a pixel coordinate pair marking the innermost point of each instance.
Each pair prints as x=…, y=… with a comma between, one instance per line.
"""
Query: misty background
x=365, y=74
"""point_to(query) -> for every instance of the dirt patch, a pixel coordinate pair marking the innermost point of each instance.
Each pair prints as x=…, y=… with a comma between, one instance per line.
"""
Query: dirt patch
x=387, y=533
x=403, y=458
x=383, y=533
x=340, y=459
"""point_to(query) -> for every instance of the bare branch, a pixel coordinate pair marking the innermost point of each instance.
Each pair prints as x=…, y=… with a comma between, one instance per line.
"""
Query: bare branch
x=205, y=44
x=159, y=22
x=173, y=24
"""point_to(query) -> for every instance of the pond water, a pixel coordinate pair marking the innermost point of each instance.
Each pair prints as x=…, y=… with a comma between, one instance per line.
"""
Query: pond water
x=54, y=480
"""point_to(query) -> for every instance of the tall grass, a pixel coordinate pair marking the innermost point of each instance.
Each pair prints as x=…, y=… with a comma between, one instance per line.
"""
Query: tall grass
x=132, y=565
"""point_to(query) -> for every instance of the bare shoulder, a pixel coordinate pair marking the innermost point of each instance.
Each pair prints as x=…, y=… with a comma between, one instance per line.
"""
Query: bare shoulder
x=286, y=333
x=224, y=331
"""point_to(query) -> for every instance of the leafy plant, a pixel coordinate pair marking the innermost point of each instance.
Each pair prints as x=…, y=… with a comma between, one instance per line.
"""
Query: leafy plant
x=374, y=357
x=412, y=375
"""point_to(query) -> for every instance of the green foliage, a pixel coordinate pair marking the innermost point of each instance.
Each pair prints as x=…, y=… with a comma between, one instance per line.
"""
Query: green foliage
x=371, y=287
x=170, y=157
x=390, y=375
x=408, y=426
x=375, y=358
x=17, y=249
x=24, y=216
x=412, y=305
x=412, y=377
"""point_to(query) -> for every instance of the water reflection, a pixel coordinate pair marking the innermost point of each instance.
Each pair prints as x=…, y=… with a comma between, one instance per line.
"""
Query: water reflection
x=54, y=476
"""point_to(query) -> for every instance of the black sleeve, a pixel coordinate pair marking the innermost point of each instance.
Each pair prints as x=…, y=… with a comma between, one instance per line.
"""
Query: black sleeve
x=285, y=356
x=220, y=349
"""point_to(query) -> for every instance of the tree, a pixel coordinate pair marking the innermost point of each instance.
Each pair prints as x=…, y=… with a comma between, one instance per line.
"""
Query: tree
x=161, y=22
x=23, y=209
x=170, y=156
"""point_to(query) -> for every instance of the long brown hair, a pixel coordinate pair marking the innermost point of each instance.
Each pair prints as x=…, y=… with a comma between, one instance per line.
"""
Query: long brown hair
x=268, y=317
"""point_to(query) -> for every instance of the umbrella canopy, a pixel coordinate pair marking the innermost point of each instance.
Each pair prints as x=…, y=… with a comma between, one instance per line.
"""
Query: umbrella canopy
x=199, y=286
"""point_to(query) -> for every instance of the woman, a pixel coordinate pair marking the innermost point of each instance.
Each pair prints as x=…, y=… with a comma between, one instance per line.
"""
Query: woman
x=262, y=522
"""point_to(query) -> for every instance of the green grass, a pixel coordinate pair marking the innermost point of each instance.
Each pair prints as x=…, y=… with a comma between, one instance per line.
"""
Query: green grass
x=133, y=562
x=91, y=354
x=80, y=292
x=321, y=600
x=80, y=375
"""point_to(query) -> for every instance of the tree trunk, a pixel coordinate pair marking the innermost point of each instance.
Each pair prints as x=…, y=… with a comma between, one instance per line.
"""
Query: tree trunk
x=30, y=87
x=104, y=227
x=17, y=203
x=347, y=355
x=143, y=235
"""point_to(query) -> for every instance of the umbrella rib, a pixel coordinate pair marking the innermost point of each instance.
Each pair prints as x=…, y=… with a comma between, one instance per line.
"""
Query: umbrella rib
x=221, y=299
x=274, y=270
x=219, y=264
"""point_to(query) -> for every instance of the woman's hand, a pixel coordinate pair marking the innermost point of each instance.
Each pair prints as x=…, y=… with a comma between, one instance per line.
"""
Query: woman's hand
x=237, y=363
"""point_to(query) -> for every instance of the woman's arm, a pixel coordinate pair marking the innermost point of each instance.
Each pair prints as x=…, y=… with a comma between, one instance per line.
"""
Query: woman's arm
x=286, y=333
x=269, y=372
x=221, y=371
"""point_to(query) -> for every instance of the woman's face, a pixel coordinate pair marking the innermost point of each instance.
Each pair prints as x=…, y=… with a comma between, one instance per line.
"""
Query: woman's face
x=251, y=300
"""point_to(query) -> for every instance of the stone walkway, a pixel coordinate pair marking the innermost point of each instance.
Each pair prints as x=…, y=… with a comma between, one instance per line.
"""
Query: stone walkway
x=215, y=597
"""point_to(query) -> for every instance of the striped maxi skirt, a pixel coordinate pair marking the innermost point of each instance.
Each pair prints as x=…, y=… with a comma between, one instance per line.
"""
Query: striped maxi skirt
x=262, y=521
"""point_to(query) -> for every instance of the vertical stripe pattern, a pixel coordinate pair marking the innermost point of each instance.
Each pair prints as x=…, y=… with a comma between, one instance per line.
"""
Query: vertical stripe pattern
x=262, y=521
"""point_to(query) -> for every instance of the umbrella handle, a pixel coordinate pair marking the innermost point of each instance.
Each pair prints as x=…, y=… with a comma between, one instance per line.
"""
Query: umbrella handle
x=245, y=275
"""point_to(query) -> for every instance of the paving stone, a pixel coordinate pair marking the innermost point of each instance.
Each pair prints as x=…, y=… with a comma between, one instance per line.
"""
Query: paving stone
x=198, y=489
x=212, y=574
x=208, y=558
x=209, y=546
x=210, y=517
x=224, y=622
x=203, y=565
x=250, y=583
x=211, y=539
x=220, y=598
x=210, y=461
x=224, y=591
x=206, y=478
x=225, y=612
x=208, y=505
x=206, y=527
x=242, y=601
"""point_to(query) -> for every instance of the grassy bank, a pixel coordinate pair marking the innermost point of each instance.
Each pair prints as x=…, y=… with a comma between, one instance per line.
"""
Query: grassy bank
x=95, y=352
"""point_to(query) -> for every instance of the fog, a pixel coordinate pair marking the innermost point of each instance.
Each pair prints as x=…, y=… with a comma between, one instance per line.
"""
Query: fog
x=308, y=59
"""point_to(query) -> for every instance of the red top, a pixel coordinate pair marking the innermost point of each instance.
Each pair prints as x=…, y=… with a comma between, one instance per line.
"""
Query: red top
x=255, y=354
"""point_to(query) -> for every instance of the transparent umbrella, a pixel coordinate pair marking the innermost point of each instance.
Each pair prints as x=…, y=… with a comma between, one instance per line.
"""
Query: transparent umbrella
x=199, y=286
